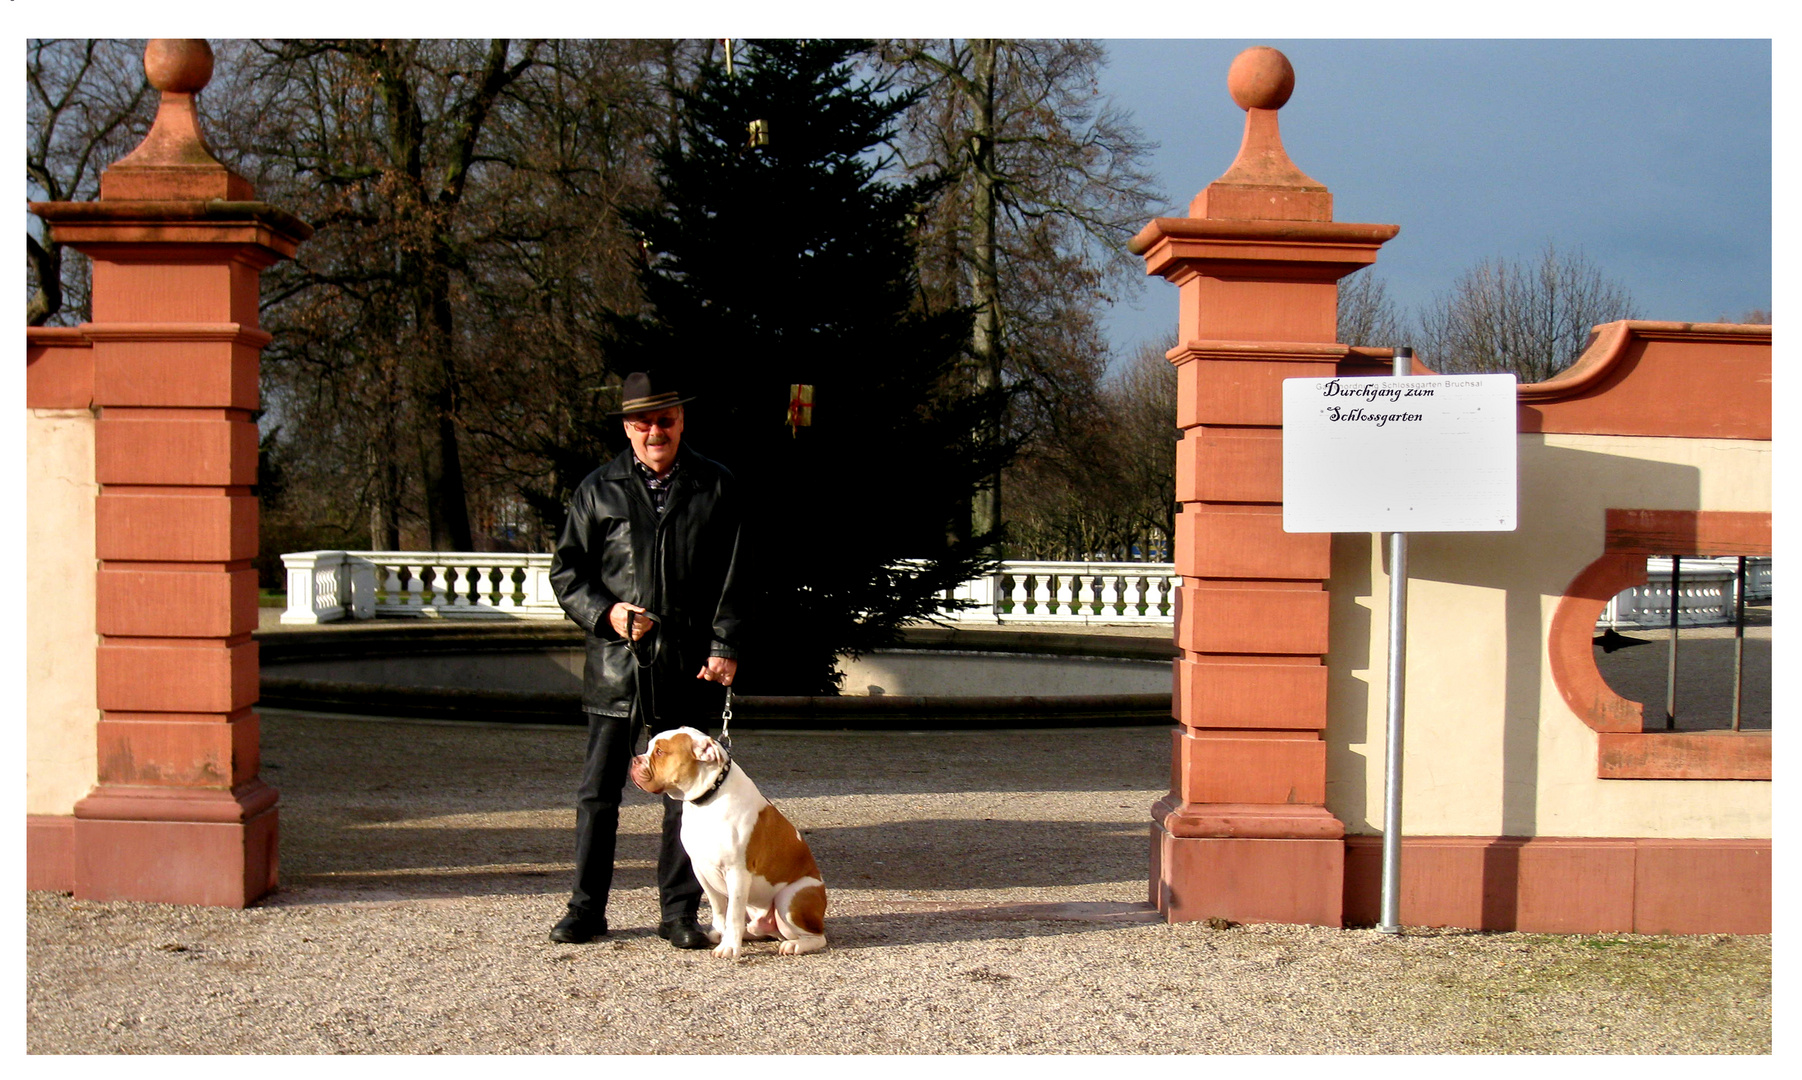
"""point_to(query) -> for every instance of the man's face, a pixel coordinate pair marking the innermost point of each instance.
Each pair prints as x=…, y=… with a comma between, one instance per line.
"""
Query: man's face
x=655, y=436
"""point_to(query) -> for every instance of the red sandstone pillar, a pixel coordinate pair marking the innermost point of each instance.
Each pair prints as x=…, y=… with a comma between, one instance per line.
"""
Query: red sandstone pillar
x=1245, y=834
x=179, y=814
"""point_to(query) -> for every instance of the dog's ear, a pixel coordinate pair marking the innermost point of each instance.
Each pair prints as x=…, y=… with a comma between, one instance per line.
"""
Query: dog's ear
x=708, y=752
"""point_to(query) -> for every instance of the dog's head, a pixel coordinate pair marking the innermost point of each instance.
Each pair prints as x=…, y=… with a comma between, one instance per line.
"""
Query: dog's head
x=675, y=760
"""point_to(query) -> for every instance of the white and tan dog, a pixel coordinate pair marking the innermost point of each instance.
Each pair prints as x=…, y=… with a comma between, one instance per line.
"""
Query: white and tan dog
x=759, y=875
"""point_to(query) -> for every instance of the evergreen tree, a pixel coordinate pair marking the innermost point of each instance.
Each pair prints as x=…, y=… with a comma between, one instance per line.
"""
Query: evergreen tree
x=790, y=262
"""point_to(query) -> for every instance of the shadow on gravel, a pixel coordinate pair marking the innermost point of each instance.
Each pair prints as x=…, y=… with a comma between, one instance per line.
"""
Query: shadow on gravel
x=955, y=923
x=940, y=854
x=307, y=889
x=932, y=854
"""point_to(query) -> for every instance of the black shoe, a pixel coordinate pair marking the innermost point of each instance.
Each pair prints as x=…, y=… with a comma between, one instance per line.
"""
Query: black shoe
x=574, y=929
x=684, y=933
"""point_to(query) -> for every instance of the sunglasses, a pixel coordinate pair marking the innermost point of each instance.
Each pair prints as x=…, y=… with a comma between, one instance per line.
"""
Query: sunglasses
x=661, y=422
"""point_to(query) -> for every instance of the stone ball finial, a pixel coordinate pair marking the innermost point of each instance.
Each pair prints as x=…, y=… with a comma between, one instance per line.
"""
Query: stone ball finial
x=178, y=65
x=1260, y=78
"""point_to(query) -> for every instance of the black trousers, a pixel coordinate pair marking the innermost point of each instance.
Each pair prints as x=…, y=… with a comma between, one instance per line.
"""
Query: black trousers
x=597, y=828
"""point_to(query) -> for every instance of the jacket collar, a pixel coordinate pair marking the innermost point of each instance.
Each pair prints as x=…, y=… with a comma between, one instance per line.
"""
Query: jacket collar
x=624, y=465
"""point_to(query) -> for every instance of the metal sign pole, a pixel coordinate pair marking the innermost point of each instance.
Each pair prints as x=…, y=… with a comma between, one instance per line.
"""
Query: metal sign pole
x=1353, y=449
x=1390, y=922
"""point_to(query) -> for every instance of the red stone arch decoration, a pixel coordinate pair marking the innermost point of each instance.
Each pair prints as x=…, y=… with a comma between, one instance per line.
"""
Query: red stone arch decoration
x=1626, y=750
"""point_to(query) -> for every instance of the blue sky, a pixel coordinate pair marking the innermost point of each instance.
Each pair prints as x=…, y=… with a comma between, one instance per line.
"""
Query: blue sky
x=1651, y=156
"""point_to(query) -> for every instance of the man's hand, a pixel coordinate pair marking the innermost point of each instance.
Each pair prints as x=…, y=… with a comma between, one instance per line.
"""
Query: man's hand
x=719, y=669
x=619, y=616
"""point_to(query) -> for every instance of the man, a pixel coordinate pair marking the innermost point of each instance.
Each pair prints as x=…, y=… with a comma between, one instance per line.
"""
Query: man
x=646, y=565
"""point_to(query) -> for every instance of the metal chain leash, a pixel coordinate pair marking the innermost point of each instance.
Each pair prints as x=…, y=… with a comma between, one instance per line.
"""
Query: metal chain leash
x=725, y=738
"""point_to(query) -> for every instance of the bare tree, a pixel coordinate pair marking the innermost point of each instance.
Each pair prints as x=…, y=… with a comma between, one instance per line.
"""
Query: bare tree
x=1107, y=489
x=1367, y=316
x=579, y=133
x=86, y=105
x=381, y=145
x=1533, y=319
x=1143, y=395
x=468, y=246
x=1046, y=182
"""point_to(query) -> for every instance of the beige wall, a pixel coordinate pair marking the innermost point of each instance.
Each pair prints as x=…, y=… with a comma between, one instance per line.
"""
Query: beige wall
x=1491, y=748
x=60, y=707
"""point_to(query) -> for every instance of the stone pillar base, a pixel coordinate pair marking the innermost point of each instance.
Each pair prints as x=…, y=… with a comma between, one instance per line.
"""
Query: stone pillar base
x=215, y=848
x=1247, y=879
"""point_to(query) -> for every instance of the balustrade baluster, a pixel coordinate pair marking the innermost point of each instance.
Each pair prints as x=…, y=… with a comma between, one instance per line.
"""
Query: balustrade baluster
x=1065, y=594
x=1041, y=594
x=1018, y=596
x=1131, y=606
x=391, y=586
x=1085, y=595
x=1110, y=597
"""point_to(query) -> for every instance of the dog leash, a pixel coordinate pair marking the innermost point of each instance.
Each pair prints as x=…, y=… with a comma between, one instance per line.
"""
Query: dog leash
x=642, y=682
x=725, y=739
x=646, y=697
x=725, y=742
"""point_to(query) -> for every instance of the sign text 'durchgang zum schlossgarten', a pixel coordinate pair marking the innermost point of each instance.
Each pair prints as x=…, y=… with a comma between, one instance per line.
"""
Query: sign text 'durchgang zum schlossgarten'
x=1413, y=454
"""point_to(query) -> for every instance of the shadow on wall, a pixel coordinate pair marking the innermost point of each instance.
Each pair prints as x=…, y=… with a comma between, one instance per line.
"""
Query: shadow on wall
x=1564, y=496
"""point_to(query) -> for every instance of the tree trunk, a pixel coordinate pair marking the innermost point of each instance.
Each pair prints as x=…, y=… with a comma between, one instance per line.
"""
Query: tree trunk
x=47, y=299
x=451, y=530
x=985, y=277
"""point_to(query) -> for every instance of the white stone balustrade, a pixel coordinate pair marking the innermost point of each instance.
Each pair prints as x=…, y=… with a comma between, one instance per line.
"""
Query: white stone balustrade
x=1072, y=592
x=324, y=586
x=1706, y=599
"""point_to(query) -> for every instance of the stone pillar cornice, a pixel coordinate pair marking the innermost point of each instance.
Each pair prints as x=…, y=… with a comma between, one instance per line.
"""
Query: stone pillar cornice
x=123, y=226
x=1252, y=231
x=1179, y=248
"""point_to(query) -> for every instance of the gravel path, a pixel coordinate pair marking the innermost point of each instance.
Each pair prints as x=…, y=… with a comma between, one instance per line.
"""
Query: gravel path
x=987, y=896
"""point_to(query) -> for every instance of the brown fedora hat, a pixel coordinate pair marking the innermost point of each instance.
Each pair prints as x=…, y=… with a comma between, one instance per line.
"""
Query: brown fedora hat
x=648, y=391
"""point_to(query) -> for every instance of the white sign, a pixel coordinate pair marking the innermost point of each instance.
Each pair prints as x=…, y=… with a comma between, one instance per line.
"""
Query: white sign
x=1417, y=453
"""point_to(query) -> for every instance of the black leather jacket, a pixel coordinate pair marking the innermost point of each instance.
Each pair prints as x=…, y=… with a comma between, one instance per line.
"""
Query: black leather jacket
x=683, y=568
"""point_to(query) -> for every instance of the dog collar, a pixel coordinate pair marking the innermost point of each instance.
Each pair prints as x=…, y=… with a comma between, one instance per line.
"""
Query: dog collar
x=714, y=790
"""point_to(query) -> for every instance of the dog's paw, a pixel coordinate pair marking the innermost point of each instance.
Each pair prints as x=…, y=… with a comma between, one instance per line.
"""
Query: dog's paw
x=803, y=945
x=726, y=951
